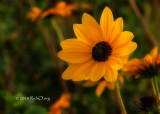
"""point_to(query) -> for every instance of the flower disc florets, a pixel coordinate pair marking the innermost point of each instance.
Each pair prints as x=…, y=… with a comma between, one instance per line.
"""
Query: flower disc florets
x=101, y=51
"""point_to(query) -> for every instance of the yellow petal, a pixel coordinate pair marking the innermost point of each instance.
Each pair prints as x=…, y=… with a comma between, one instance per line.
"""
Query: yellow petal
x=92, y=27
x=77, y=72
x=154, y=52
x=82, y=72
x=75, y=56
x=148, y=58
x=110, y=75
x=117, y=29
x=124, y=49
x=110, y=85
x=133, y=65
x=125, y=59
x=83, y=34
x=68, y=73
x=123, y=38
x=100, y=88
x=89, y=83
x=106, y=23
x=115, y=62
x=74, y=44
x=97, y=71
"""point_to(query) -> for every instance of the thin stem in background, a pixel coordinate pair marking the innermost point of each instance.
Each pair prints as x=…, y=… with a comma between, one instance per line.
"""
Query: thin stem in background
x=52, y=50
x=10, y=74
x=10, y=77
x=123, y=110
x=145, y=25
x=154, y=81
x=28, y=68
x=58, y=31
x=53, y=53
x=153, y=87
x=156, y=16
x=156, y=86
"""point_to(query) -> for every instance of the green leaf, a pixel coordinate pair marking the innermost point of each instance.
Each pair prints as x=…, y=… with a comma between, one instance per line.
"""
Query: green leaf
x=36, y=110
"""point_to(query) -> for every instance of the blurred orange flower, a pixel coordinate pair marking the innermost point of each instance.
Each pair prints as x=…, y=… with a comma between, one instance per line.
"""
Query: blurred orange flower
x=33, y=15
x=62, y=8
x=63, y=102
x=147, y=67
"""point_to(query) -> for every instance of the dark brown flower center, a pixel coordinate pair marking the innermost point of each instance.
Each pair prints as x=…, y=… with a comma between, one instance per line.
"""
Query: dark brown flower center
x=148, y=102
x=101, y=51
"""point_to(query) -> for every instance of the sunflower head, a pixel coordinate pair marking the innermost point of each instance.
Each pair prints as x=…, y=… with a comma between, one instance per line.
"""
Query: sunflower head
x=99, y=50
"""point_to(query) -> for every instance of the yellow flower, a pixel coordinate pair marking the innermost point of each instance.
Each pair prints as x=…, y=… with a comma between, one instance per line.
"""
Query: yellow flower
x=63, y=102
x=147, y=67
x=98, y=50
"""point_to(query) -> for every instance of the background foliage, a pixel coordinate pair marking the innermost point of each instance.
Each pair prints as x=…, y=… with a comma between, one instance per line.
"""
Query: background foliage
x=27, y=67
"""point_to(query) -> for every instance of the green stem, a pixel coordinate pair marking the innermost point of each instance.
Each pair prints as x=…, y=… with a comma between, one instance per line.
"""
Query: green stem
x=58, y=30
x=156, y=86
x=153, y=87
x=156, y=89
x=123, y=110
